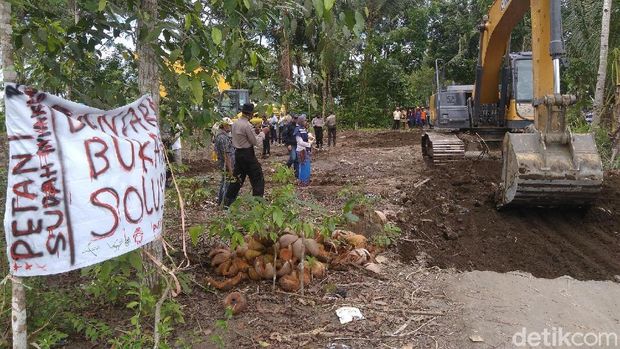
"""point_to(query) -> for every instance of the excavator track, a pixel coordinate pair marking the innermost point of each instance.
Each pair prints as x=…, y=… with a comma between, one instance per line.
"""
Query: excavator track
x=441, y=148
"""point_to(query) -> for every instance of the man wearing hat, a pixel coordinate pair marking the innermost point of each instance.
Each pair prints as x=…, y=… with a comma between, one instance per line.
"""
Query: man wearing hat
x=246, y=164
x=225, y=156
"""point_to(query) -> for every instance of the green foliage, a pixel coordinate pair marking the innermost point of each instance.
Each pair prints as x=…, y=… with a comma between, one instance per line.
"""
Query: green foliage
x=578, y=124
x=421, y=86
x=194, y=192
x=55, y=314
x=262, y=217
x=221, y=327
x=367, y=116
x=93, y=330
x=110, y=278
x=48, y=339
x=270, y=217
x=195, y=232
x=583, y=44
x=114, y=281
x=354, y=198
x=361, y=57
x=390, y=234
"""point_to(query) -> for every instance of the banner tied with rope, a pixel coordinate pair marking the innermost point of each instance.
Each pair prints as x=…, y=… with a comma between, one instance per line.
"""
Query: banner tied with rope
x=84, y=185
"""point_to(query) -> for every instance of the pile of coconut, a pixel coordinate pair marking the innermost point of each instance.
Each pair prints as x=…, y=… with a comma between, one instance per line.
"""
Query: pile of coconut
x=264, y=259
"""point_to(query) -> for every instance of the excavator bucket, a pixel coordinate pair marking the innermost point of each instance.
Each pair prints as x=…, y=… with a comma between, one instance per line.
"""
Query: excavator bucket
x=550, y=166
x=550, y=173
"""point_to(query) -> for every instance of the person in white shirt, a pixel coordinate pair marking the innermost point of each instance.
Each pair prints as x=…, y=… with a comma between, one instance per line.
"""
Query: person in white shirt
x=396, y=115
x=330, y=122
x=176, y=147
x=281, y=124
x=317, y=123
x=273, y=125
x=177, y=156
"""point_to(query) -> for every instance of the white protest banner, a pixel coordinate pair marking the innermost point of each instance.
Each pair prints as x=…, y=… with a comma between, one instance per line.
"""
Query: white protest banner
x=84, y=185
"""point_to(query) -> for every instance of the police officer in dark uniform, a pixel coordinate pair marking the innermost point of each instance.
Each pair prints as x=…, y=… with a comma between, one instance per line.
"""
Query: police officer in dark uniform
x=246, y=164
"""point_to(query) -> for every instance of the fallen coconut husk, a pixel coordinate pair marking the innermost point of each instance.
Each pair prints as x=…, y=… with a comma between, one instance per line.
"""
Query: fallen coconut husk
x=236, y=301
x=226, y=284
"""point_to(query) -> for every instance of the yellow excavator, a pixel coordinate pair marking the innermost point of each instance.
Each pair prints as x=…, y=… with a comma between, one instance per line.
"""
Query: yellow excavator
x=544, y=165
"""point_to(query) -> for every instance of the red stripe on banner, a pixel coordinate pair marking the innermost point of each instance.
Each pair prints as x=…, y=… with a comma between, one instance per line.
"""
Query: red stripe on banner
x=20, y=137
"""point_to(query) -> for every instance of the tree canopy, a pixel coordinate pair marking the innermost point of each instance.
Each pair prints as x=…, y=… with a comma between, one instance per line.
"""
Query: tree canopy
x=360, y=57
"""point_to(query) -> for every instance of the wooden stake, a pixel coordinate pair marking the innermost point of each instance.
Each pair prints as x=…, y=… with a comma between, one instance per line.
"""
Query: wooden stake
x=18, y=318
x=303, y=259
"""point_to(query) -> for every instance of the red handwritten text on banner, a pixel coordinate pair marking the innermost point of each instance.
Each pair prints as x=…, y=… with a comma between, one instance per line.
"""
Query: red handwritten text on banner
x=85, y=185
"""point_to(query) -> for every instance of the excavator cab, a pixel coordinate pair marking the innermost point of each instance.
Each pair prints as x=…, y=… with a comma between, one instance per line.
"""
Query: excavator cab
x=519, y=111
x=231, y=101
x=550, y=166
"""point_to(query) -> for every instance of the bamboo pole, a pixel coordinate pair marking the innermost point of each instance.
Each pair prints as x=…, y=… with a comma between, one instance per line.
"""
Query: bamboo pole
x=148, y=83
x=18, y=318
x=18, y=302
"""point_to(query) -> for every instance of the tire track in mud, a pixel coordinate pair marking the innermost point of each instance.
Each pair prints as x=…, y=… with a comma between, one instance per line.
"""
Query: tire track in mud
x=584, y=248
x=551, y=233
x=458, y=201
x=582, y=243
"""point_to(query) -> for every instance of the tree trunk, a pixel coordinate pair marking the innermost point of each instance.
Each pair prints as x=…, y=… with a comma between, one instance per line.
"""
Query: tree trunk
x=148, y=83
x=328, y=99
x=366, y=61
x=73, y=11
x=617, y=107
x=148, y=70
x=324, y=94
x=18, y=302
x=599, y=95
x=285, y=61
x=616, y=135
x=18, y=317
x=284, y=65
x=6, y=45
x=330, y=93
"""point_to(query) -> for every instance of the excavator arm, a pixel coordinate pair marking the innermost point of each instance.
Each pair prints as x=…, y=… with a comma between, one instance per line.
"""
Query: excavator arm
x=495, y=31
x=550, y=166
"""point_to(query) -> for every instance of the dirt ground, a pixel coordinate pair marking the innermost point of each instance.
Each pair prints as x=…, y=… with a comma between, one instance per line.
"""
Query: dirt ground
x=449, y=276
x=398, y=306
x=458, y=202
x=497, y=307
x=449, y=224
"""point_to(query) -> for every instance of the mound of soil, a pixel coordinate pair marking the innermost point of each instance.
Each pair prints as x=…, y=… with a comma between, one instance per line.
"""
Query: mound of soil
x=383, y=139
x=453, y=219
x=200, y=167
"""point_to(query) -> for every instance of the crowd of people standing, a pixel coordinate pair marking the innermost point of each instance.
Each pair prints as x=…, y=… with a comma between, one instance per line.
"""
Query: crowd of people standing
x=235, y=143
x=407, y=118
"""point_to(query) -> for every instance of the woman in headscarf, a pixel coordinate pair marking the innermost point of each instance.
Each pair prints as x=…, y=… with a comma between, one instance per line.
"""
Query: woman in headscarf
x=304, y=147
